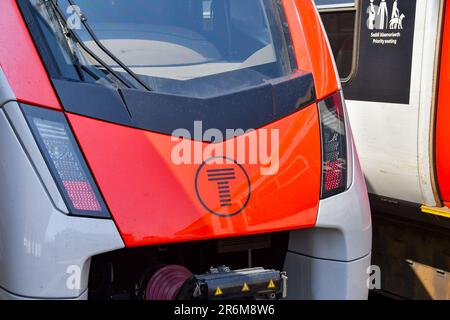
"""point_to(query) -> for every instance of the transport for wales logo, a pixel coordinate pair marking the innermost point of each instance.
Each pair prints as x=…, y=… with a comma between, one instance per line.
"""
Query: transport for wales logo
x=222, y=183
x=379, y=18
x=223, y=189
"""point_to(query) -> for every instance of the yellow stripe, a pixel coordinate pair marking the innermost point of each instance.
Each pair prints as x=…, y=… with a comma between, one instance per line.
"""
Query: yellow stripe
x=441, y=212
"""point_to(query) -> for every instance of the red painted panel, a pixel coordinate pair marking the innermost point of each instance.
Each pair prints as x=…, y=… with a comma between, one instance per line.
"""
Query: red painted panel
x=20, y=60
x=443, y=114
x=298, y=38
x=154, y=201
x=325, y=78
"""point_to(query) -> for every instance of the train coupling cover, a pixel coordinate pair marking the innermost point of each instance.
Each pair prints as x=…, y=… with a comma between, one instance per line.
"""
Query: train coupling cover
x=222, y=283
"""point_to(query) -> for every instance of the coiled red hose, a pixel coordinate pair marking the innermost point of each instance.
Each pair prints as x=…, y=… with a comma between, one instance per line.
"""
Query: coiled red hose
x=166, y=283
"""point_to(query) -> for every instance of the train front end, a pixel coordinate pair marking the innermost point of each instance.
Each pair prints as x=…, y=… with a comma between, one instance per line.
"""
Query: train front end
x=164, y=150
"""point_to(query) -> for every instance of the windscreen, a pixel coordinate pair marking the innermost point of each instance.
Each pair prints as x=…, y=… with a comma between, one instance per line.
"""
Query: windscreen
x=187, y=47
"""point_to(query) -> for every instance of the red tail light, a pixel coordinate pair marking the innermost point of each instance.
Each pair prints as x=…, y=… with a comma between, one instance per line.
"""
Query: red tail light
x=334, y=145
x=82, y=195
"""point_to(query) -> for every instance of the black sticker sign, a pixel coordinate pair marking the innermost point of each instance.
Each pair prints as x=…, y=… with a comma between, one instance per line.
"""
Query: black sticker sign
x=386, y=36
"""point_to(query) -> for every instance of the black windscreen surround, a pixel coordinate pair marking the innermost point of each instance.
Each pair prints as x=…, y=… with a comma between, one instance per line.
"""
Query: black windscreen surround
x=247, y=109
x=227, y=63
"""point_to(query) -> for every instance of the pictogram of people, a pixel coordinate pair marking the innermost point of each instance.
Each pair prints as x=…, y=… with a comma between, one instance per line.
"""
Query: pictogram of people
x=383, y=14
x=396, y=21
x=372, y=16
x=395, y=11
x=379, y=16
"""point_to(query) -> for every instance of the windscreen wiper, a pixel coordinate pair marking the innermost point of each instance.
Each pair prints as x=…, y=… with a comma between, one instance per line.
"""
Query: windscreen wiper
x=67, y=46
x=75, y=37
x=91, y=32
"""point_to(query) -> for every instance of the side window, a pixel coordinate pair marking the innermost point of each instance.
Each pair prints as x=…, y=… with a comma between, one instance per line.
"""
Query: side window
x=338, y=17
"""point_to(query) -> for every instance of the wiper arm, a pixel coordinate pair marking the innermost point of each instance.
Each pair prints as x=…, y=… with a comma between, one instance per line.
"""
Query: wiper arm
x=75, y=37
x=91, y=32
x=69, y=48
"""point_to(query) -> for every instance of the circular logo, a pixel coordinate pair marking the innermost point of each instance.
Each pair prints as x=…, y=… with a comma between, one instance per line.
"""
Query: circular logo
x=223, y=186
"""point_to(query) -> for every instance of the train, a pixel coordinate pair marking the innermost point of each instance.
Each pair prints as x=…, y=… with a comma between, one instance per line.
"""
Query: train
x=392, y=58
x=176, y=150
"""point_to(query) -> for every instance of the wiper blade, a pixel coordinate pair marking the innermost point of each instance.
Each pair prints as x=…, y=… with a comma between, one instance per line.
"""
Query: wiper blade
x=91, y=32
x=75, y=37
x=74, y=57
